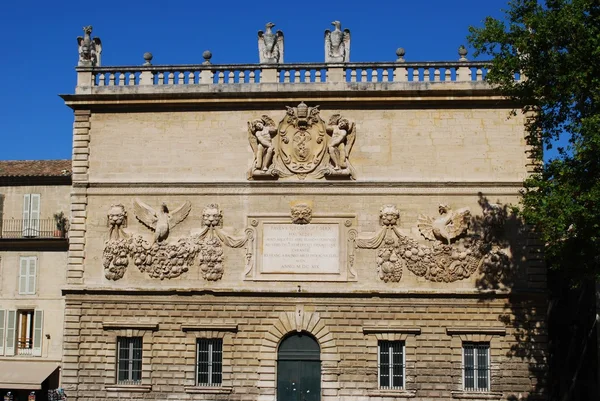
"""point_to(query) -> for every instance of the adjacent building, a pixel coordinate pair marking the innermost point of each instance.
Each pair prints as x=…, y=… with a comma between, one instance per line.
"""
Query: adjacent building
x=34, y=205
x=317, y=231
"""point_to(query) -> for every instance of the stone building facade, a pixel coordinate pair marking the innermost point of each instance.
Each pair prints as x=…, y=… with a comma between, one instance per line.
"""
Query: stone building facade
x=34, y=205
x=299, y=232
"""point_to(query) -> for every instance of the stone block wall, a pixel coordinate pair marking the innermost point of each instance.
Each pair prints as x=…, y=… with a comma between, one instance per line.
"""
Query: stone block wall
x=347, y=331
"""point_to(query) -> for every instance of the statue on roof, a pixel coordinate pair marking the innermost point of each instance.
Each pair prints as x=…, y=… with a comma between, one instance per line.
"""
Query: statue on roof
x=89, y=49
x=270, y=46
x=337, y=44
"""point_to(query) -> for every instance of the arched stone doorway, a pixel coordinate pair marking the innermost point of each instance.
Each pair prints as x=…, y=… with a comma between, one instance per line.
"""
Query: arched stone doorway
x=299, y=368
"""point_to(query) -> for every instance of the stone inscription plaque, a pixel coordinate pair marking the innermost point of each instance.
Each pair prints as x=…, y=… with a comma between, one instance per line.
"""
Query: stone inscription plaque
x=301, y=249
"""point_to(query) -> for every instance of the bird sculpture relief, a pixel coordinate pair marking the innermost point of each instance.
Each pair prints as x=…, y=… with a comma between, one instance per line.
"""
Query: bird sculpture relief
x=450, y=225
x=337, y=44
x=161, y=221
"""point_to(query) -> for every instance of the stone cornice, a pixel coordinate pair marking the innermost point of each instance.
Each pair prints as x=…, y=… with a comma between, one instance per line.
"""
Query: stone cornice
x=252, y=96
x=510, y=188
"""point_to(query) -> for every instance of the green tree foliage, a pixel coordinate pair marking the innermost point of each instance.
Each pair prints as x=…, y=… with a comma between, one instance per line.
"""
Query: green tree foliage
x=555, y=45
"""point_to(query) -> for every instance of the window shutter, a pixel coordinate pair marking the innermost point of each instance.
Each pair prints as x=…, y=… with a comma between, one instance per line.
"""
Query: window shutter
x=38, y=321
x=26, y=214
x=34, y=214
x=31, y=275
x=11, y=325
x=2, y=325
x=23, y=276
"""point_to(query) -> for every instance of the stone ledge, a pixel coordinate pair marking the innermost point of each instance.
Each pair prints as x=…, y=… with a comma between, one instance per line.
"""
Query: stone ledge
x=467, y=395
x=500, y=331
x=139, y=388
x=208, y=390
x=392, y=393
x=391, y=329
x=129, y=325
x=210, y=327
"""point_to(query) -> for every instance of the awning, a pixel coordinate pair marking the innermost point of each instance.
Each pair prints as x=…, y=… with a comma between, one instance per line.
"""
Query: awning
x=25, y=375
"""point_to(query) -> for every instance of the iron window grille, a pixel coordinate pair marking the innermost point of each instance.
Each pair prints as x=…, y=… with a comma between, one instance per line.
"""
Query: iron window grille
x=129, y=360
x=476, y=366
x=209, y=359
x=391, y=365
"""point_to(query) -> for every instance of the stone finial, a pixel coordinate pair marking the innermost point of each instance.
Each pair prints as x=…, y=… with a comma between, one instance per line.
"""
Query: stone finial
x=337, y=44
x=400, y=52
x=270, y=45
x=207, y=55
x=147, y=58
x=89, y=49
x=462, y=52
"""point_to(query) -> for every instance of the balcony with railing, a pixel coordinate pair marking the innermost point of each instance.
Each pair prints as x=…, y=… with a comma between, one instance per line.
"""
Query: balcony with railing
x=32, y=235
x=30, y=229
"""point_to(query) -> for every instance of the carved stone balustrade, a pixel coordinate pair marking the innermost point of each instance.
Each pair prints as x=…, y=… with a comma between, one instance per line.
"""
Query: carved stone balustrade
x=149, y=78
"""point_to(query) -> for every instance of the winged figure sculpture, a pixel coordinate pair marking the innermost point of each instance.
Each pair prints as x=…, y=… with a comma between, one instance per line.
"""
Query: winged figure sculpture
x=337, y=44
x=450, y=225
x=342, y=139
x=270, y=45
x=161, y=221
x=90, y=48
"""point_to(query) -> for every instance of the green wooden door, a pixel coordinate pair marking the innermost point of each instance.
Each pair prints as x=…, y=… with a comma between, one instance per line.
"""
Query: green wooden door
x=299, y=369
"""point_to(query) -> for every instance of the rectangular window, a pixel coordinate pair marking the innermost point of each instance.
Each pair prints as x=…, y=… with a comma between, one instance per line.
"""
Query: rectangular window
x=31, y=215
x=24, y=332
x=129, y=360
x=210, y=361
x=27, y=274
x=476, y=366
x=391, y=364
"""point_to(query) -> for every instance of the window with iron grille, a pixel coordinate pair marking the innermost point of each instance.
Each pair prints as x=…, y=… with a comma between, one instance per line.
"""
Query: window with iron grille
x=209, y=361
x=129, y=360
x=476, y=366
x=391, y=364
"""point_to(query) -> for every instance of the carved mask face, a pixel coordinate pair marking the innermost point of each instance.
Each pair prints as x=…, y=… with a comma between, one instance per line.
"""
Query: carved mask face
x=116, y=215
x=301, y=214
x=211, y=216
x=389, y=215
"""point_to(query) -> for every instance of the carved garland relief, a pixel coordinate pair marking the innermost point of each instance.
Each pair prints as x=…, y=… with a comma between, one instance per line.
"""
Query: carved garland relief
x=161, y=259
x=452, y=253
x=302, y=144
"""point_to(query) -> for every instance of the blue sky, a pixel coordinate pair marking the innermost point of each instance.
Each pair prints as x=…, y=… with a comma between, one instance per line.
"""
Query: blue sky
x=38, y=46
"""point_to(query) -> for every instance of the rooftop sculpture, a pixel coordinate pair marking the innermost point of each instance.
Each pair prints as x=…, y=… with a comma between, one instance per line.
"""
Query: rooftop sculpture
x=337, y=44
x=89, y=48
x=270, y=45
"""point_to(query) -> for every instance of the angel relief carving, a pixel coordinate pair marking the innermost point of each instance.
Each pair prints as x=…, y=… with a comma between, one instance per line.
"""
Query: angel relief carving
x=260, y=134
x=447, y=259
x=301, y=145
x=162, y=259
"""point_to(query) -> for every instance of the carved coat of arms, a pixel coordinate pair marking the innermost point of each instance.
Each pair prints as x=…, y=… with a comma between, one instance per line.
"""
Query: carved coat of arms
x=302, y=145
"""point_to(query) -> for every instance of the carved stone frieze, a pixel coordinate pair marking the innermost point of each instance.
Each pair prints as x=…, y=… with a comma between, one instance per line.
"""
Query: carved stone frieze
x=301, y=145
x=270, y=45
x=161, y=259
x=90, y=49
x=301, y=213
x=337, y=44
x=448, y=259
